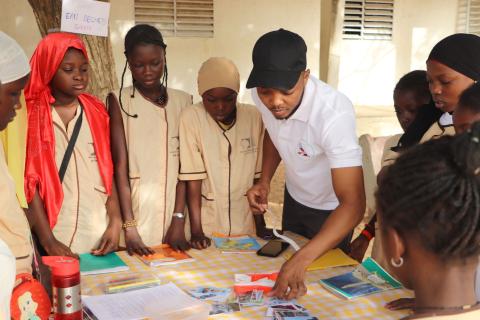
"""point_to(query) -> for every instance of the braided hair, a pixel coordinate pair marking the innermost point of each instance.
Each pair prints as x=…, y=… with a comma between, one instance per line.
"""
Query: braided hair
x=433, y=190
x=142, y=34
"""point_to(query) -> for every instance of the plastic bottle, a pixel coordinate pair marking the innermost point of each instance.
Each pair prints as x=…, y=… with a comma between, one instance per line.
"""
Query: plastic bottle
x=67, y=303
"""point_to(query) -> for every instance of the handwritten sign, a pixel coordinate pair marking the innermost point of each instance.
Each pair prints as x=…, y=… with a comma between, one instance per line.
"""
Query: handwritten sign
x=85, y=16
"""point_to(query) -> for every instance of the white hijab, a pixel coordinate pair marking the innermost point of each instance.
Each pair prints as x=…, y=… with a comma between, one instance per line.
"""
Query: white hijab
x=13, y=61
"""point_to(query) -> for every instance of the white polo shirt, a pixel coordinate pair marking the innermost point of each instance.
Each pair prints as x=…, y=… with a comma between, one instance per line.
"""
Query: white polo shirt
x=319, y=136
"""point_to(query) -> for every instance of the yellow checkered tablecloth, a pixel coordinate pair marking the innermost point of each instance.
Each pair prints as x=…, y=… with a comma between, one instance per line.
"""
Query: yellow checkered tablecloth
x=213, y=268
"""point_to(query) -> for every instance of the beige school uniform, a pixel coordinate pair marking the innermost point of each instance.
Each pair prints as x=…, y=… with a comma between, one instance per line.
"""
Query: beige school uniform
x=436, y=131
x=153, y=155
x=388, y=158
x=227, y=160
x=14, y=227
x=83, y=217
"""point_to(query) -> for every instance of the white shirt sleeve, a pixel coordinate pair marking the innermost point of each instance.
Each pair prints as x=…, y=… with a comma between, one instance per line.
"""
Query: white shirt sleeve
x=340, y=142
x=7, y=279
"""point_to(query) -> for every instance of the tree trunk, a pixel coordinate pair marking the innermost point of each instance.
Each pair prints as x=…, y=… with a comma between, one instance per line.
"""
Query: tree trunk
x=103, y=78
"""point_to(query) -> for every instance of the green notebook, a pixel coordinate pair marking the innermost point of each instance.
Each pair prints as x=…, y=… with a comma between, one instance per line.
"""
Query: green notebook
x=90, y=264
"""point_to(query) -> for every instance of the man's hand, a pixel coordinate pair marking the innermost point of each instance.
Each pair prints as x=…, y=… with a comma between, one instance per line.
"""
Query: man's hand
x=258, y=197
x=109, y=240
x=135, y=244
x=175, y=236
x=290, y=283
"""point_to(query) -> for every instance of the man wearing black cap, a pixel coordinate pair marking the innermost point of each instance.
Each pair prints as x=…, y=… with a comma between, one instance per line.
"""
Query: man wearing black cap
x=311, y=127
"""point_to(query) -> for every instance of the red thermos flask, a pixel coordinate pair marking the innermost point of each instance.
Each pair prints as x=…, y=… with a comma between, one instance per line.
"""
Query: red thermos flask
x=67, y=303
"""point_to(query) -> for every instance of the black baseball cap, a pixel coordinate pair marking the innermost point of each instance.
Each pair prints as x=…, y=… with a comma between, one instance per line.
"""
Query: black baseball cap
x=278, y=59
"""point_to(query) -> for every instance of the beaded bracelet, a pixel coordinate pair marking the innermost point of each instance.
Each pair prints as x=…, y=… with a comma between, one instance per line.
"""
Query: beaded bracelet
x=129, y=223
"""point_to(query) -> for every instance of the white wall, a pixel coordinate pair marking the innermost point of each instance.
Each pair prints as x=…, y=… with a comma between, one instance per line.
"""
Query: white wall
x=238, y=24
x=369, y=70
x=18, y=21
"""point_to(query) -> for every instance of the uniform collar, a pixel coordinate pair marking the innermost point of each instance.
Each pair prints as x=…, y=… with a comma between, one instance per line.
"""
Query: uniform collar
x=446, y=119
x=305, y=108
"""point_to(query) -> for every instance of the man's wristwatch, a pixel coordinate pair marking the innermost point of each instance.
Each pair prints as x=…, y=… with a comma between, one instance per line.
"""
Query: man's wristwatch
x=179, y=215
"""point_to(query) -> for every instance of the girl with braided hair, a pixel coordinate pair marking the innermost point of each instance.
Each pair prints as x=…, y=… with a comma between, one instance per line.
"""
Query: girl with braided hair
x=428, y=205
x=453, y=65
x=145, y=146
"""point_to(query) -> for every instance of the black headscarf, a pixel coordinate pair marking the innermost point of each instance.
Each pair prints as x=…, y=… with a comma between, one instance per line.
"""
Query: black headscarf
x=460, y=52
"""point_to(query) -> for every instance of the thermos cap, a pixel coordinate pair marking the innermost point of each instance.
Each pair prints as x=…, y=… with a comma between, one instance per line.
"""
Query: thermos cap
x=62, y=266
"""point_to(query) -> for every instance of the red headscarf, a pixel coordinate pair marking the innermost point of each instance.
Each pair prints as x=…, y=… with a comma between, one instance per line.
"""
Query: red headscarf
x=40, y=168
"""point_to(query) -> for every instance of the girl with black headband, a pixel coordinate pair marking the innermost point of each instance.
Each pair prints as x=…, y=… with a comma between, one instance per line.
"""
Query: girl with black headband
x=144, y=122
x=428, y=205
x=452, y=66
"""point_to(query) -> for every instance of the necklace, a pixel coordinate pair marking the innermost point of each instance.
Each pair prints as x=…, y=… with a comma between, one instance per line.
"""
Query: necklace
x=162, y=98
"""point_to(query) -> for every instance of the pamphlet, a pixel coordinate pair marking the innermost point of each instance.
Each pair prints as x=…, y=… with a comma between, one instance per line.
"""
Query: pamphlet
x=246, y=282
x=237, y=244
x=211, y=293
x=164, y=255
x=365, y=279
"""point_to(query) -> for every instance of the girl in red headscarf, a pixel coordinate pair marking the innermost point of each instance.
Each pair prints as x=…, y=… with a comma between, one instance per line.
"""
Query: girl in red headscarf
x=79, y=213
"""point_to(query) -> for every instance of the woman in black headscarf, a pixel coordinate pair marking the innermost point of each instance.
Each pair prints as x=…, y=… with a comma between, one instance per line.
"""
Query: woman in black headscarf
x=452, y=66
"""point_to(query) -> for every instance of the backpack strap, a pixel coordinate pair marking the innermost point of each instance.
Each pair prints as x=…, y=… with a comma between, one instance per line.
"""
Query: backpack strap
x=70, y=146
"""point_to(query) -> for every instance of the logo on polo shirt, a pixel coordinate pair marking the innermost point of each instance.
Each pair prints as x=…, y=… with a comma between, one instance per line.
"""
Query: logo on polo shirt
x=304, y=150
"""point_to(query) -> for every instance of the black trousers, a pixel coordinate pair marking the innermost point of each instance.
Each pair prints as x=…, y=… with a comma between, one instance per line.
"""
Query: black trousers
x=306, y=221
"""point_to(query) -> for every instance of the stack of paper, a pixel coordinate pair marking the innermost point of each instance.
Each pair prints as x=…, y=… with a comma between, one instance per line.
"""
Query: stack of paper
x=90, y=264
x=160, y=302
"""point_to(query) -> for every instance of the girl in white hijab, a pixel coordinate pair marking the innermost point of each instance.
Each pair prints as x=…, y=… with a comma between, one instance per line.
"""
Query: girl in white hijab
x=14, y=228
